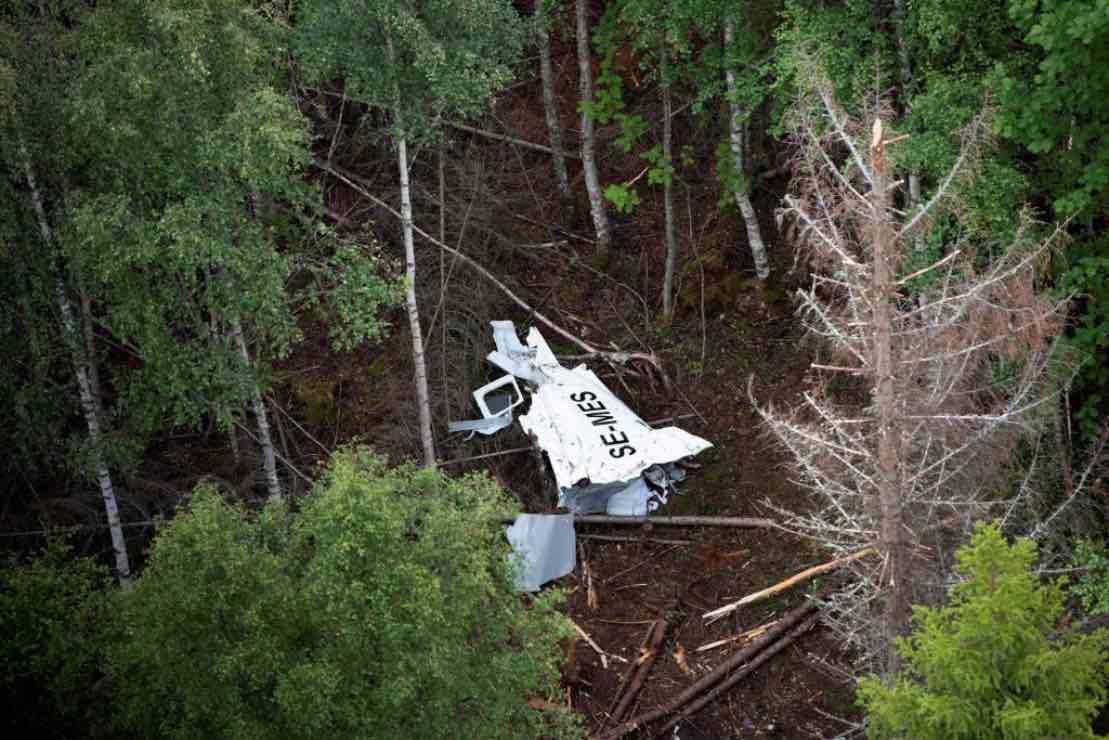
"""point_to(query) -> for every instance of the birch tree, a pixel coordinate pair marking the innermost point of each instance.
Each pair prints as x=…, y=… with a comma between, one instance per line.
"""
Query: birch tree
x=153, y=134
x=736, y=122
x=419, y=60
x=164, y=221
x=952, y=347
x=588, y=154
x=550, y=108
x=29, y=61
x=88, y=393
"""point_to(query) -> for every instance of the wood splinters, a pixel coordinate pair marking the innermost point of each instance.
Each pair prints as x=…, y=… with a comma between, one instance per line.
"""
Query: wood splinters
x=597, y=648
x=804, y=575
x=743, y=637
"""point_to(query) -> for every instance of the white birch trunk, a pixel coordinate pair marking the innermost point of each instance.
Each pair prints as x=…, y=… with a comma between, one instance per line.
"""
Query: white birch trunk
x=419, y=361
x=735, y=133
x=265, y=440
x=423, y=401
x=87, y=393
x=550, y=109
x=668, y=197
x=589, y=165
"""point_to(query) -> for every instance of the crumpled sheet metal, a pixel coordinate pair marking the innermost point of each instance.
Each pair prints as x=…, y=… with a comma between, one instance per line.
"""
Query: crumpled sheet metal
x=492, y=421
x=532, y=363
x=592, y=437
x=599, y=449
x=546, y=548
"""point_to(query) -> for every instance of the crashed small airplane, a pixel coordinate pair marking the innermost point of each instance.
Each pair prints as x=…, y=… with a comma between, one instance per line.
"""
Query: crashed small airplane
x=604, y=457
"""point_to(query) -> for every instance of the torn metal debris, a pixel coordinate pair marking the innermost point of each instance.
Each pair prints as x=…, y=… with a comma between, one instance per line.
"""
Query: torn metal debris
x=605, y=458
x=546, y=547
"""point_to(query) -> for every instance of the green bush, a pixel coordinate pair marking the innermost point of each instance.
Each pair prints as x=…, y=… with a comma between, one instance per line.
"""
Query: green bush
x=51, y=619
x=1092, y=585
x=383, y=609
x=989, y=665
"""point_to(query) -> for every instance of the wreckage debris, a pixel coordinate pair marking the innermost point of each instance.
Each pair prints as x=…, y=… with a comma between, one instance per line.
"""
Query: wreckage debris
x=605, y=458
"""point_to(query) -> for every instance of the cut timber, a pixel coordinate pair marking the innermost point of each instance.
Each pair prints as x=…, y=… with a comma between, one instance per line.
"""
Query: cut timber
x=801, y=615
x=791, y=581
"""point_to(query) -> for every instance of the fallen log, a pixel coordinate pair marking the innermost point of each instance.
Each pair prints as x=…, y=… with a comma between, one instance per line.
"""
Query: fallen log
x=793, y=580
x=725, y=685
x=718, y=674
x=679, y=521
x=655, y=638
x=510, y=140
x=671, y=521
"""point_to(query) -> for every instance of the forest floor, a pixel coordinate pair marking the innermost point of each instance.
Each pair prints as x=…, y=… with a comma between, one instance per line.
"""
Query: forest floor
x=728, y=330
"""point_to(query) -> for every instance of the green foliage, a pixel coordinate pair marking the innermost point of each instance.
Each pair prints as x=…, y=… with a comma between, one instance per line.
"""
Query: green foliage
x=448, y=57
x=174, y=175
x=1088, y=280
x=624, y=198
x=52, y=617
x=1092, y=585
x=384, y=608
x=1053, y=96
x=1052, y=102
x=843, y=40
x=354, y=286
x=988, y=665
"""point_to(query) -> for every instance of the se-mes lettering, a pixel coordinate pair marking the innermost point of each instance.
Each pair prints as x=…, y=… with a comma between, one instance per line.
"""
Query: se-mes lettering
x=599, y=415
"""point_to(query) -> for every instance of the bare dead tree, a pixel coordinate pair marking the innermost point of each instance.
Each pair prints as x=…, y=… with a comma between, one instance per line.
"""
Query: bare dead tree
x=951, y=361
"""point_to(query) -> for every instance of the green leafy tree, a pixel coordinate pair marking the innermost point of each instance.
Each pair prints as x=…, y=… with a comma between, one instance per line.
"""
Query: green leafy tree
x=1052, y=97
x=420, y=60
x=989, y=664
x=384, y=608
x=169, y=176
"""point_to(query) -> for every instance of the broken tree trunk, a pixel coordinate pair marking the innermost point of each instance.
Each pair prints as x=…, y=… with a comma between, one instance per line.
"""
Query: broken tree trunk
x=550, y=111
x=656, y=636
x=735, y=133
x=588, y=162
x=726, y=685
x=791, y=581
x=679, y=521
x=87, y=392
x=710, y=680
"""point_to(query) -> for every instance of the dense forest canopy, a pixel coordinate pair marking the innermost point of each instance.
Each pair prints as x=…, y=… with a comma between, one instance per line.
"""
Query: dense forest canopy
x=860, y=246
